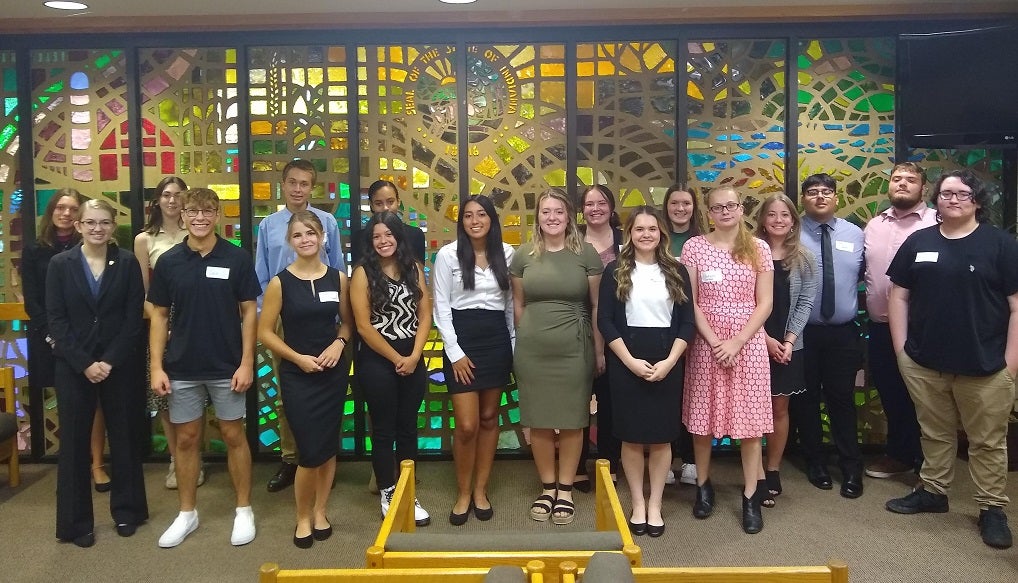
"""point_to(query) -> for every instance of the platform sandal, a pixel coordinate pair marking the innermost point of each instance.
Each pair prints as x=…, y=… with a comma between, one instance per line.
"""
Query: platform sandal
x=541, y=509
x=563, y=506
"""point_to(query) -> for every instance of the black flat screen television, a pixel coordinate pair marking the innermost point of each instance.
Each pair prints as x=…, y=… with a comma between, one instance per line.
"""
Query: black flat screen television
x=959, y=88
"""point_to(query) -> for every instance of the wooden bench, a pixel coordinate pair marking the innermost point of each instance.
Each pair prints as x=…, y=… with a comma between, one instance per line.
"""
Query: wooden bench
x=397, y=546
x=532, y=573
x=605, y=568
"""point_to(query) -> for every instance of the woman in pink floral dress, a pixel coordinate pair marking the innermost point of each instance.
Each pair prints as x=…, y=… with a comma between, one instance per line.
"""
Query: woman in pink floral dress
x=728, y=373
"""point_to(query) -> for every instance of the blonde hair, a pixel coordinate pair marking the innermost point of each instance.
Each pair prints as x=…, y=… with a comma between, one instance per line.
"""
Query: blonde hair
x=626, y=261
x=744, y=250
x=795, y=253
x=574, y=242
x=99, y=205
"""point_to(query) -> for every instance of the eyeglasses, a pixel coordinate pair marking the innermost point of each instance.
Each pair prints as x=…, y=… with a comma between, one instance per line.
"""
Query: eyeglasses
x=820, y=193
x=959, y=195
x=720, y=208
x=207, y=213
x=90, y=224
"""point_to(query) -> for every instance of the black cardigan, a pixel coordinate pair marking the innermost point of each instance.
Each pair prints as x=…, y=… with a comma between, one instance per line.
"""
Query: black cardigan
x=611, y=313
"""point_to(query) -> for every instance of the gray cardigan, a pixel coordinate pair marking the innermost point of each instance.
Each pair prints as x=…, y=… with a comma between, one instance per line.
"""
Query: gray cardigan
x=802, y=283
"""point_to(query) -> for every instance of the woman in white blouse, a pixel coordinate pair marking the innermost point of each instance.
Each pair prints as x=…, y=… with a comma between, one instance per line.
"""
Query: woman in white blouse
x=474, y=314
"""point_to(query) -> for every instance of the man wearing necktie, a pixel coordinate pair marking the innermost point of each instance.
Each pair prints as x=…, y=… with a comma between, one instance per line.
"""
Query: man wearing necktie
x=832, y=345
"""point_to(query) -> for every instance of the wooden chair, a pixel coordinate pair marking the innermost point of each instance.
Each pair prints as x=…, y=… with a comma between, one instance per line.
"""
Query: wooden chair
x=603, y=568
x=9, y=427
x=532, y=573
x=397, y=546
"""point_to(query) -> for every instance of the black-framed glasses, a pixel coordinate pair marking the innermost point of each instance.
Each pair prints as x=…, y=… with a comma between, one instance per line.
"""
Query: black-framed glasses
x=959, y=195
x=720, y=208
x=207, y=213
x=820, y=193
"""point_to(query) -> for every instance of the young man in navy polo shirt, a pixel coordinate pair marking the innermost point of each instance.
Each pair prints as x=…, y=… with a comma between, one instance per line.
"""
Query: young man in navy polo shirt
x=211, y=288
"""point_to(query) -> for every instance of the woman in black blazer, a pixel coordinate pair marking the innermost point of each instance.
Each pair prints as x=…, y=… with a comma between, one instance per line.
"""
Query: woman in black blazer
x=94, y=301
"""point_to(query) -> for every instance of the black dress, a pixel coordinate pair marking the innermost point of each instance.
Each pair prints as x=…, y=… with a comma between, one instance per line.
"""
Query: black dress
x=786, y=379
x=35, y=260
x=313, y=401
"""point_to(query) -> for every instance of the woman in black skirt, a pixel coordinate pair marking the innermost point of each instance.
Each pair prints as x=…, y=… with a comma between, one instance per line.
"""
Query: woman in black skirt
x=309, y=297
x=646, y=317
x=474, y=314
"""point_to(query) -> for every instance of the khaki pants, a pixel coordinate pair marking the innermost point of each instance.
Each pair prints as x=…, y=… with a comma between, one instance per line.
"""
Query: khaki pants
x=981, y=405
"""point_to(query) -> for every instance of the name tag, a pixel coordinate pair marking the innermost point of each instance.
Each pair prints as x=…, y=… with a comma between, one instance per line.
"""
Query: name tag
x=711, y=276
x=328, y=296
x=844, y=246
x=217, y=272
x=927, y=257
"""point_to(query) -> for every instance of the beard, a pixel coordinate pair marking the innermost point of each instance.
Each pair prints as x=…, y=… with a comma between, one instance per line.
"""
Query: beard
x=904, y=201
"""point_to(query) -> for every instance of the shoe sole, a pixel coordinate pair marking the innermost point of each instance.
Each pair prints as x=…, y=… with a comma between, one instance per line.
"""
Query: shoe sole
x=900, y=510
x=883, y=475
x=241, y=543
x=167, y=545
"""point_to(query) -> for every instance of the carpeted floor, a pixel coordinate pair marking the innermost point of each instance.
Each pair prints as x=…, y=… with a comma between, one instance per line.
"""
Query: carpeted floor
x=809, y=526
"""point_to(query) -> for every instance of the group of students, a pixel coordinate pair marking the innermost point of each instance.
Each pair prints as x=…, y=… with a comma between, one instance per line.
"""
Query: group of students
x=682, y=334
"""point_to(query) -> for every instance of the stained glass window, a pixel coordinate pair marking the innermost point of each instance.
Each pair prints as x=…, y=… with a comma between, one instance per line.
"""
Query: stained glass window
x=625, y=123
x=736, y=117
x=189, y=123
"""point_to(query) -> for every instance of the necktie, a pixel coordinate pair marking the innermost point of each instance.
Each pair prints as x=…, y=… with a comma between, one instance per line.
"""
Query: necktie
x=827, y=258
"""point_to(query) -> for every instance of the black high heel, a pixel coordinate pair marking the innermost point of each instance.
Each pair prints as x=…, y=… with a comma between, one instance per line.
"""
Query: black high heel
x=764, y=494
x=752, y=516
x=773, y=478
x=704, y=505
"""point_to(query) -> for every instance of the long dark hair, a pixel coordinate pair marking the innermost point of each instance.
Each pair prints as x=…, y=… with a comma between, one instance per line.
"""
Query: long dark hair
x=380, y=184
x=697, y=224
x=613, y=219
x=47, y=232
x=155, y=214
x=980, y=195
x=493, y=245
x=405, y=261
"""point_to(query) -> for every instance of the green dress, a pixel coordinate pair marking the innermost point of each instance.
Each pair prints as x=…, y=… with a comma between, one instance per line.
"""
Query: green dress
x=554, y=357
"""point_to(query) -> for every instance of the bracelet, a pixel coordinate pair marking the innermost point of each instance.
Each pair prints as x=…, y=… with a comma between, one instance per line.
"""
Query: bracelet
x=341, y=339
x=789, y=342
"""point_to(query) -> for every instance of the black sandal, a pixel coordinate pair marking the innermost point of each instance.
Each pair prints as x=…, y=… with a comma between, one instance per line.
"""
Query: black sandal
x=541, y=509
x=766, y=498
x=773, y=478
x=563, y=506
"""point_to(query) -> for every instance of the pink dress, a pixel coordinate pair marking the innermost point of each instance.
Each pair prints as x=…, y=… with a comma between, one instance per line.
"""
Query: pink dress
x=733, y=401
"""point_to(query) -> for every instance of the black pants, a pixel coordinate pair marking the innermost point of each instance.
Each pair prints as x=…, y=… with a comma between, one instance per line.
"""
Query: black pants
x=123, y=402
x=902, y=425
x=609, y=447
x=393, y=402
x=832, y=356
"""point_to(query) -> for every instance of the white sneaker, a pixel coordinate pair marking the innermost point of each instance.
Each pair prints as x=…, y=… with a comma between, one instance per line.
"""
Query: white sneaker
x=201, y=474
x=669, y=478
x=421, y=516
x=688, y=474
x=171, y=476
x=183, y=525
x=243, y=527
x=386, y=496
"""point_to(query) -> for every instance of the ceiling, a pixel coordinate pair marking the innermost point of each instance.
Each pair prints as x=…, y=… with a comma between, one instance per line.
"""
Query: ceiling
x=30, y=16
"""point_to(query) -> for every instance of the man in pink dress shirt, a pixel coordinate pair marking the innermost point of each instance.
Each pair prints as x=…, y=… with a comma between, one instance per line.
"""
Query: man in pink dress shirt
x=884, y=234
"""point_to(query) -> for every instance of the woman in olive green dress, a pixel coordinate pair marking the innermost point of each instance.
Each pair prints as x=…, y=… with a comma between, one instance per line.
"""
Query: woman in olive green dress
x=555, y=280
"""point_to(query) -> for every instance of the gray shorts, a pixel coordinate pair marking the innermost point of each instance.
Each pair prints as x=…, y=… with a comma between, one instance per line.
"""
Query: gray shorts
x=187, y=400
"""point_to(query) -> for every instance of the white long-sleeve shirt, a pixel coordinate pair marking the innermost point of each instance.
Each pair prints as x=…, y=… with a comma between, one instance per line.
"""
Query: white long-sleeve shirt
x=449, y=295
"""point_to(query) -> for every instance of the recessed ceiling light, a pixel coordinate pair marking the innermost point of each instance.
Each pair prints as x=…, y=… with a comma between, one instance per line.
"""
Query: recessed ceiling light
x=457, y=1
x=66, y=5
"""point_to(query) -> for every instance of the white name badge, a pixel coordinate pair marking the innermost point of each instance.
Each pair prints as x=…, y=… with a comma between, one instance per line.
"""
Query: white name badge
x=844, y=246
x=217, y=272
x=927, y=257
x=328, y=296
x=711, y=276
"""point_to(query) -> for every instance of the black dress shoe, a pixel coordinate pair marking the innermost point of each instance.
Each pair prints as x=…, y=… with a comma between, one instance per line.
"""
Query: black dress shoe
x=127, y=529
x=752, y=517
x=583, y=485
x=321, y=533
x=484, y=513
x=84, y=541
x=851, y=487
x=655, y=530
x=460, y=519
x=283, y=478
x=638, y=528
x=704, y=504
x=819, y=477
x=303, y=542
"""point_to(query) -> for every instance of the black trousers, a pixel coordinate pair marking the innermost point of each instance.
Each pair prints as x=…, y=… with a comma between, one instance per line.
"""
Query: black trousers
x=609, y=447
x=123, y=402
x=902, y=425
x=393, y=402
x=832, y=357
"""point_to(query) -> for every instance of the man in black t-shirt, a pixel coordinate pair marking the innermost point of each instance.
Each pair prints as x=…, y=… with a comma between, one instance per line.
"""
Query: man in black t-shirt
x=953, y=315
x=211, y=286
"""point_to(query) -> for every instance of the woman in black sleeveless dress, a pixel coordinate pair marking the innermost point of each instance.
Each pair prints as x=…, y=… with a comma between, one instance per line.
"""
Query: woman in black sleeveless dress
x=309, y=296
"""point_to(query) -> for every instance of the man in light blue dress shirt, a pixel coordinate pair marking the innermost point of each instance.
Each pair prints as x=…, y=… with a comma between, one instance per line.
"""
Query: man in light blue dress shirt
x=272, y=255
x=832, y=345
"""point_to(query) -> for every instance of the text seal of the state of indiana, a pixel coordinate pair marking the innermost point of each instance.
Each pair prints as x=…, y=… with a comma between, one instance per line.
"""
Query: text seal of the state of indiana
x=493, y=92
